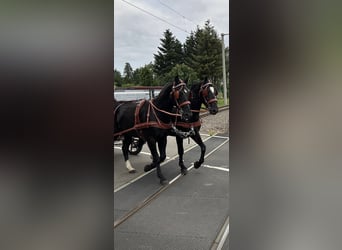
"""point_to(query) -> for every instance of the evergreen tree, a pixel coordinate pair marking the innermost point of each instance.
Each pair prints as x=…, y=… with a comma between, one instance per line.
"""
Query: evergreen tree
x=183, y=71
x=146, y=75
x=117, y=78
x=136, y=76
x=227, y=68
x=206, y=57
x=189, y=49
x=170, y=53
x=128, y=73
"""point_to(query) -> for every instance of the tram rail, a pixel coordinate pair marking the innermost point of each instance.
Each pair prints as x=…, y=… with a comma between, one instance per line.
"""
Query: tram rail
x=158, y=192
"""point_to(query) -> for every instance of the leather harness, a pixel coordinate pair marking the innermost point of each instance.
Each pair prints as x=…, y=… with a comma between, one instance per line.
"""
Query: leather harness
x=158, y=124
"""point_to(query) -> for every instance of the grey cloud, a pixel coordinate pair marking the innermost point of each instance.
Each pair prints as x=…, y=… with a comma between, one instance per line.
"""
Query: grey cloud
x=137, y=35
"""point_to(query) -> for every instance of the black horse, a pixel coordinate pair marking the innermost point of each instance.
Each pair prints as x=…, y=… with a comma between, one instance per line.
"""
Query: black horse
x=200, y=93
x=137, y=143
x=151, y=120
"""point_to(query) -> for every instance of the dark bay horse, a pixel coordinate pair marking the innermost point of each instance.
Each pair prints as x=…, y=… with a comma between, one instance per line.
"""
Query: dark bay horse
x=200, y=93
x=151, y=120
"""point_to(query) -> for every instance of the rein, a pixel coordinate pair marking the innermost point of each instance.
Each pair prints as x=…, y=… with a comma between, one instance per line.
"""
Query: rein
x=157, y=124
x=199, y=110
x=163, y=111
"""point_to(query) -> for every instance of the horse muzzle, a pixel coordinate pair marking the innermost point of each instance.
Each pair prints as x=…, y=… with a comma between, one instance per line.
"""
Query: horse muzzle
x=186, y=116
x=213, y=111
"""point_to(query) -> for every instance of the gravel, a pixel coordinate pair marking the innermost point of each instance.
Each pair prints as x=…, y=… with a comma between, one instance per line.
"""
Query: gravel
x=218, y=123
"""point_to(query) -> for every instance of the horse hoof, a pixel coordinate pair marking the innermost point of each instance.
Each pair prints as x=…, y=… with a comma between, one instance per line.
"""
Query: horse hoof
x=132, y=171
x=164, y=182
x=197, y=164
x=184, y=171
x=162, y=159
x=147, y=168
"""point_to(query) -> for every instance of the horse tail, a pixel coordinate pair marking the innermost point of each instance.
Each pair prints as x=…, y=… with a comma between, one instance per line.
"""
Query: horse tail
x=116, y=108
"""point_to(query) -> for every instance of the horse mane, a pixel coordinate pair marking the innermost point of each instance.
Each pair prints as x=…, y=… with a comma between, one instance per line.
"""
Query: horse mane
x=194, y=89
x=164, y=92
x=195, y=85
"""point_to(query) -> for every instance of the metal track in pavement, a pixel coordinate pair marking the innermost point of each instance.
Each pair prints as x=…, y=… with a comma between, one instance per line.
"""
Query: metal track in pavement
x=155, y=195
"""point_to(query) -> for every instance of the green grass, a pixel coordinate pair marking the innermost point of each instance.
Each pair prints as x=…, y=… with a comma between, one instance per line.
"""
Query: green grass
x=220, y=101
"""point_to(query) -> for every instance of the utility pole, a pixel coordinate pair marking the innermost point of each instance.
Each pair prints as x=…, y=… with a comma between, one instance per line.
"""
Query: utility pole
x=224, y=70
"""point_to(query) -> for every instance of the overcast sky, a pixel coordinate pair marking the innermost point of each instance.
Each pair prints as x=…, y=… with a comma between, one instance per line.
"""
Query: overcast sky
x=137, y=34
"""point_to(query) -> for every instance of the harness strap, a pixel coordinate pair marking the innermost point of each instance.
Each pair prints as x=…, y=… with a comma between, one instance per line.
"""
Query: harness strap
x=183, y=103
x=148, y=123
x=163, y=111
x=137, y=111
x=205, y=85
x=189, y=125
x=212, y=100
x=123, y=132
x=198, y=110
x=145, y=125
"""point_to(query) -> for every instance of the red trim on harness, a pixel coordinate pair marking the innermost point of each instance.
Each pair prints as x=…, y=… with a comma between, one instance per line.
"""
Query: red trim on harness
x=139, y=125
x=137, y=111
x=184, y=103
x=189, y=125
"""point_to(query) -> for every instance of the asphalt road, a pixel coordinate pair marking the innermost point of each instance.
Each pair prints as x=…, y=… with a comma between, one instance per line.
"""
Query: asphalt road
x=188, y=214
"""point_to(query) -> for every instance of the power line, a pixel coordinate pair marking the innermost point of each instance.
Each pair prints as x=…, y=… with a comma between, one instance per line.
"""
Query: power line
x=167, y=6
x=161, y=19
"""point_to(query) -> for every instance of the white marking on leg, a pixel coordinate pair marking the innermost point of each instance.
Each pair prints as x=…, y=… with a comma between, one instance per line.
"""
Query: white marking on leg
x=129, y=166
x=165, y=162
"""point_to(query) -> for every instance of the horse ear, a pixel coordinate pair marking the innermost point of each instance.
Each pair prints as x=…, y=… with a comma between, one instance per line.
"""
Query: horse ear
x=177, y=79
x=205, y=80
x=186, y=80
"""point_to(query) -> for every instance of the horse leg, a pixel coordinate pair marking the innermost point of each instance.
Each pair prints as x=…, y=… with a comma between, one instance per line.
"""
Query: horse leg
x=125, y=145
x=180, y=148
x=153, y=148
x=197, y=138
x=162, y=149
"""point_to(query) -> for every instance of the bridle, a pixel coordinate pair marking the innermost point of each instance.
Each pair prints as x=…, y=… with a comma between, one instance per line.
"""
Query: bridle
x=175, y=93
x=204, y=91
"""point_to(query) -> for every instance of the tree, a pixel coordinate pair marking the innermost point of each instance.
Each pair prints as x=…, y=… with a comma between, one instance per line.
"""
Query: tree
x=144, y=75
x=205, y=57
x=189, y=49
x=227, y=68
x=128, y=73
x=136, y=76
x=117, y=78
x=170, y=53
x=183, y=71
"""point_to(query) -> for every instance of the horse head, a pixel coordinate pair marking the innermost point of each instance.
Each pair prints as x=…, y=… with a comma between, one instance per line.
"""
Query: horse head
x=208, y=94
x=180, y=96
